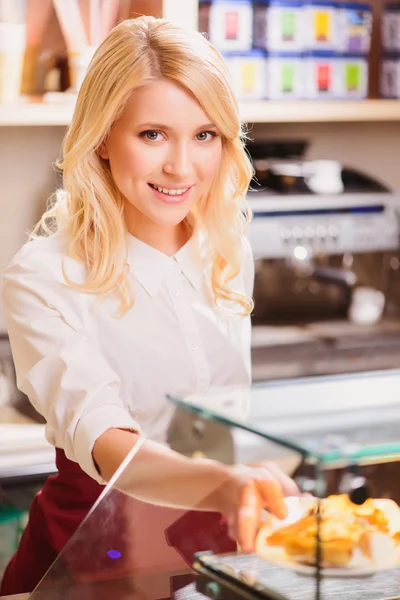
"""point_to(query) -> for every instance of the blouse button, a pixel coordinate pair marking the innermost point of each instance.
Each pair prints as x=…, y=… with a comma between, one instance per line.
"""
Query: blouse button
x=176, y=292
x=194, y=346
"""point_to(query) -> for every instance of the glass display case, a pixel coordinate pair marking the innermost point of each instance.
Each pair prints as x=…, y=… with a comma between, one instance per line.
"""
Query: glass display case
x=338, y=437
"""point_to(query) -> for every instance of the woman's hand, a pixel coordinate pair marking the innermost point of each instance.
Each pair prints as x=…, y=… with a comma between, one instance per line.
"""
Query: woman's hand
x=159, y=475
x=247, y=493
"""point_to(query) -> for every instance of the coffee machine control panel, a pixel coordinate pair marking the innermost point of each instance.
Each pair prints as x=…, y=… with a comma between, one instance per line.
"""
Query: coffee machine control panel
x=328, y=224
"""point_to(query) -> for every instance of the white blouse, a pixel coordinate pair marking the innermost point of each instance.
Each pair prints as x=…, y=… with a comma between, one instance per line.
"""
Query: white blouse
x=86, y=371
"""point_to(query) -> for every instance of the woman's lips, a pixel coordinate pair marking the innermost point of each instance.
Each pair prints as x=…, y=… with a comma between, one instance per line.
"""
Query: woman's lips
x=170, y=199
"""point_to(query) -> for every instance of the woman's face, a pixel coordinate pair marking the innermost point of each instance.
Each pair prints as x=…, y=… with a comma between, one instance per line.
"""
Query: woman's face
x=164, y=153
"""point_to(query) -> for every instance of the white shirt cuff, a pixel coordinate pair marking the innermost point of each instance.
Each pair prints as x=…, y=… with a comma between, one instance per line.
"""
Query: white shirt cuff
x=90, y=427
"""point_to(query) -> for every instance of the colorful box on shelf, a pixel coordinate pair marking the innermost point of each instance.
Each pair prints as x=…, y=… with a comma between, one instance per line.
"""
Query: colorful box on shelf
x=390, y=63
x=248, y=74
x=390, y=75
x=321, y=76
x=278, y=25
x=228, y=23
x=285, y=76
x=354, y=72
x=354, y=22
x=320, y=25
x=391, y=27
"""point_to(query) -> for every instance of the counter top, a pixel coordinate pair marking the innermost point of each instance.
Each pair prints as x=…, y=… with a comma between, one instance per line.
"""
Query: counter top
x=24, y=450
x=123, y=589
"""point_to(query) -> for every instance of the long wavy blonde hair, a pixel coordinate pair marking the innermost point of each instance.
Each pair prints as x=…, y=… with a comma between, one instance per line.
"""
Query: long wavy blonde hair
x=90, y=208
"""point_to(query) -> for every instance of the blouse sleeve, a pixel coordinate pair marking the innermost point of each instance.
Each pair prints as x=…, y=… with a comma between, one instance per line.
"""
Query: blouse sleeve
x=248, y=268
x=61, y=371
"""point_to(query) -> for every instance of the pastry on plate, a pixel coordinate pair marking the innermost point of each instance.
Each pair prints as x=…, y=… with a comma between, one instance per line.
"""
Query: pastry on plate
x=370, y=532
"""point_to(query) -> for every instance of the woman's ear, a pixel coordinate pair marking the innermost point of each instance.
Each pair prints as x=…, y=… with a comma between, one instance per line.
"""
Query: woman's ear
x=103, y=151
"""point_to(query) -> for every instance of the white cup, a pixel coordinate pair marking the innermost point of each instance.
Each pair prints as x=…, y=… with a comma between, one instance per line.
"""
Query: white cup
x=366, y=306
x=324, y=176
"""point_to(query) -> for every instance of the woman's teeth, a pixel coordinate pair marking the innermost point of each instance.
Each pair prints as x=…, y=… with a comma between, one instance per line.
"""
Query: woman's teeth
x=170, y=192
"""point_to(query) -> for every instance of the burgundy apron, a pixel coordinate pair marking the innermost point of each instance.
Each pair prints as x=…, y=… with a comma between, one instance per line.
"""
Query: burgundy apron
x=55, y=514
x=60, y=507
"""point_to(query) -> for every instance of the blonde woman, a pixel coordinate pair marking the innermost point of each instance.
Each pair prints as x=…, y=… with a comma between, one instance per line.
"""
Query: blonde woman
x=142, y=252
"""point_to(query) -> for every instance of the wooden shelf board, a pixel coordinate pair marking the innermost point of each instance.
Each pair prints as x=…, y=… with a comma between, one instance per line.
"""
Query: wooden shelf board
x=59, y=114
x=320, y=111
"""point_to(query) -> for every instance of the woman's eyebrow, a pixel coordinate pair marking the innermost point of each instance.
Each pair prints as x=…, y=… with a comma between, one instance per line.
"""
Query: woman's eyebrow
x=168, y=128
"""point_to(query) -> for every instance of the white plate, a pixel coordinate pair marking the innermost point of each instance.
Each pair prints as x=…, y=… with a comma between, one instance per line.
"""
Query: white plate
x=277, y=556
x=359, y=566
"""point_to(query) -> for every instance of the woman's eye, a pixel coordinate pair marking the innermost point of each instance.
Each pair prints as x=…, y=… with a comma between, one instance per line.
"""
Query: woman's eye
x=205, y=136
x=153, y=136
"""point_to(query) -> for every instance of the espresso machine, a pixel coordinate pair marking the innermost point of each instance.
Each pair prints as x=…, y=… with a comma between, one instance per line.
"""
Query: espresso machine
x=326, y=240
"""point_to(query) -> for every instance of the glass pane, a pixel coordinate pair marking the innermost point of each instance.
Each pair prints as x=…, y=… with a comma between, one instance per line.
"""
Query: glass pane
x=336, y=418
x=155, y=540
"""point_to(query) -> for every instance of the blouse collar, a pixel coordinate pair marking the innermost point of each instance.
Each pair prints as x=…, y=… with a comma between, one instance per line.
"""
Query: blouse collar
x=150, y=266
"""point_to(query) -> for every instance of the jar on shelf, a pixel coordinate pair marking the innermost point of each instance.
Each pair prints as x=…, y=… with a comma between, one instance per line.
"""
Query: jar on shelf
x=321, y=26
x=390, y=76
x=391, y=27
x=248, y=74
x=352, y=77
x=322, y=75
x=355, y=28
x=285, y=76
x=278, y=25
x=231, y=25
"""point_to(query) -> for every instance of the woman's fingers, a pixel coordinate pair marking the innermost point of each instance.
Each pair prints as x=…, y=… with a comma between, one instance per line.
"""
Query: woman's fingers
x=249, y=516
x=289, y=487
x=265, y=488
x=256, y=495
x=272, y=497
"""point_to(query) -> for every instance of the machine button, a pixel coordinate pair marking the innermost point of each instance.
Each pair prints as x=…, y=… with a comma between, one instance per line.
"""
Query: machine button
x=286, y=234
x=309, y=232
x=321, y=231
x=333, y=232
x=297, y=233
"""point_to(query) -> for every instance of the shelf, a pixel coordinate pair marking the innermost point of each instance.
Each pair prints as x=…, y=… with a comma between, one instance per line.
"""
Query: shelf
x=321, y=111
x=59, y=114
x=36, y=114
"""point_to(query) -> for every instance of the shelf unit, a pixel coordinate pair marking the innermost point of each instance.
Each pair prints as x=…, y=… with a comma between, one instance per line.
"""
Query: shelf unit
x=31, y=134
x=59, y=114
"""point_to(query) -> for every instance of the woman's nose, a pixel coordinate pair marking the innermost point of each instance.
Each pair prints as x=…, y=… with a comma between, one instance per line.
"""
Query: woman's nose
x=179, y=163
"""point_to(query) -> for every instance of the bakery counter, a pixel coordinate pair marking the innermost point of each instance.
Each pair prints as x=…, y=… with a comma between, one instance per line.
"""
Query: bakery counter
x=340, y=541
x=345, y=432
